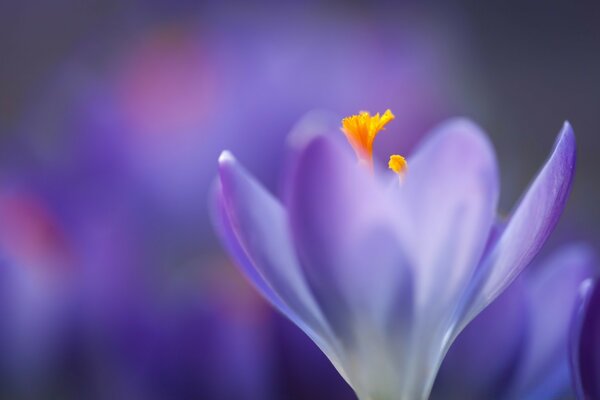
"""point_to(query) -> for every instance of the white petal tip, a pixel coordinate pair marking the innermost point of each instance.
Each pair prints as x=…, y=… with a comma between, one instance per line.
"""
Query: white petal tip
x=567, y=128
x=226, y=158
x=585, y=287
x=565, y=138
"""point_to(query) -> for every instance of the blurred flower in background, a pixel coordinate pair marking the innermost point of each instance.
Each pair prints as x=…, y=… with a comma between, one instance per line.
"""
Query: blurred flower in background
x=518, y=348
x=37, y=289
x=585, y=356
x=111, y=116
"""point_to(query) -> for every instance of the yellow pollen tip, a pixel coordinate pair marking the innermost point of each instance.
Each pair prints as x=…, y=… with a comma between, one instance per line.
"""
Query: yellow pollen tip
x=361, y=130
x=398, y=164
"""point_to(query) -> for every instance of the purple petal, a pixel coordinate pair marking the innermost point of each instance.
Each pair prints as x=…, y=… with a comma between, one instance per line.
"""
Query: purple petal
x=585, y=346
x=448, y=205
x=227, y=236
x=257, y=230
x=552, y=296
x=529, y=226
x=346, y=238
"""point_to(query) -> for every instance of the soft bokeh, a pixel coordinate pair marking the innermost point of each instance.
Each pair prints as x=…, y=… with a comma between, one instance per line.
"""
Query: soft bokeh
x=113, y=114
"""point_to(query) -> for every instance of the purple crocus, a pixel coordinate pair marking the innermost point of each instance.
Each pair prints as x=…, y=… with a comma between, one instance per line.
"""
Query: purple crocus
x=381, y=273
x=585, y=345
x=517, y=348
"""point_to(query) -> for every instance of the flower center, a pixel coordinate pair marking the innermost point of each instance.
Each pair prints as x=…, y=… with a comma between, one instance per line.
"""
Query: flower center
x=361, y=130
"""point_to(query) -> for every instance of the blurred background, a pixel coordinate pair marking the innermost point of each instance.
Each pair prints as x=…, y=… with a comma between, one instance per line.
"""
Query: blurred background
x=113, y=114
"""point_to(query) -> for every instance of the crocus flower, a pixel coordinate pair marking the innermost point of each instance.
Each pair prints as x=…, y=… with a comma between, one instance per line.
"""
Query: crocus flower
x=585, y=345
x=382, y=277
x=517, y=348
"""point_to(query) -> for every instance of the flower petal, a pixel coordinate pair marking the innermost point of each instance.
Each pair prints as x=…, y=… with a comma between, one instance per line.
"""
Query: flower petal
x=256, y=227
x=448, y=205
x=228, y=237
x=345, y=240
x=529, y=226
x=585, y=346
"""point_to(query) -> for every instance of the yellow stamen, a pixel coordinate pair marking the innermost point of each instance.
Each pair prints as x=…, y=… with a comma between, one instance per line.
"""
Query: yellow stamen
x=361, y=130
x=398, y=164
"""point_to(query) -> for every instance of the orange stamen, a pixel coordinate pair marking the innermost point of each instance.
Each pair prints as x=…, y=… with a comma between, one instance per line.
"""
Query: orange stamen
x=398, y=164
x=361, y=130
